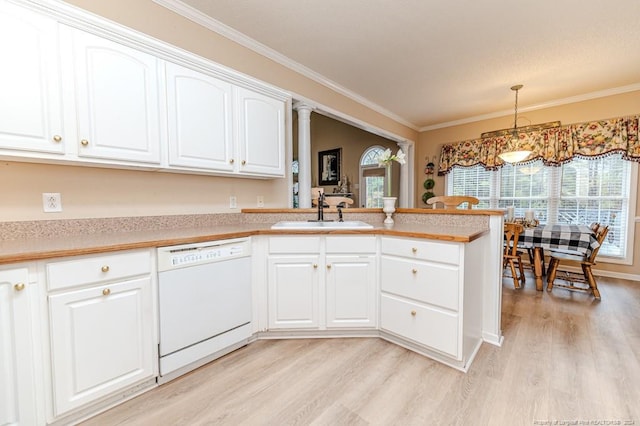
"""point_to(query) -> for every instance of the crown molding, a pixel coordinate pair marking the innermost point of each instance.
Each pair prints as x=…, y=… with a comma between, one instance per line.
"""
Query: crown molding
x=216, y=26
x=564, y=101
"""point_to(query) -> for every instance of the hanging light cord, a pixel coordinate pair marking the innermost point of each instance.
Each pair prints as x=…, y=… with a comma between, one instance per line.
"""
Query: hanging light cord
x=515, y=115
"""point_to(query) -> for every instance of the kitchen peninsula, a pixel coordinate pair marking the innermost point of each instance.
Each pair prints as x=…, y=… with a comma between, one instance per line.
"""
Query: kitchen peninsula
x=431, y=283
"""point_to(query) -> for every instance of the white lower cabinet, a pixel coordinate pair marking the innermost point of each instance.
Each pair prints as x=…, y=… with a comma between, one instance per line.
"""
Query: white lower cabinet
x=102, y=330
x=322, y=282
x=293, y=291
x=18, y=401
x=429, y=297
x=351, y=281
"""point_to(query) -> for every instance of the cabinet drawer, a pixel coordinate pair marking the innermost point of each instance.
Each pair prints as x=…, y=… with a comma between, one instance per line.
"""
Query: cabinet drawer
x=351, y=244
x=420, y=249
x=435, y=329
x=96, y=269
x=436, y=284
x=294, y=245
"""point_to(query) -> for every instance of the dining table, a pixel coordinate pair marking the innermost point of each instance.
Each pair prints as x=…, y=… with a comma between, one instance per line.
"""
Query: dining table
x=564, y=237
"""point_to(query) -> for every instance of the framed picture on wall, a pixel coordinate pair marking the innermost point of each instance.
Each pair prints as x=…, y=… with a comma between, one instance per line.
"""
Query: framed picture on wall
x=329, y=166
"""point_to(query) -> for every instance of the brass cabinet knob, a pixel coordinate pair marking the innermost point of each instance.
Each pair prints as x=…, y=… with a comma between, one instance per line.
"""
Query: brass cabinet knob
x=105, y=268
x=414, y=270
x=231, y=161
x=19, y=287
x=413, y=313
x=57, y=138
x=315, y=265
x=328, y=266
x=244, y=162
x=84, y=142
x=106, y=292
x=414, y=250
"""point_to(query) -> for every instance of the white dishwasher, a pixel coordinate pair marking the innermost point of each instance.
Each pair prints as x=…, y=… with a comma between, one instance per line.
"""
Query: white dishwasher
x=204, y=293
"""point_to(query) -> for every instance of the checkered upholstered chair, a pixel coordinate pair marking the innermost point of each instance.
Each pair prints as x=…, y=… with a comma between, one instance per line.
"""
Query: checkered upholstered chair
x=586, y=280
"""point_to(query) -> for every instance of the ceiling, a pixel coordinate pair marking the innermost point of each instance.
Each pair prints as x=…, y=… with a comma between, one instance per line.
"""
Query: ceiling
x=430, y=63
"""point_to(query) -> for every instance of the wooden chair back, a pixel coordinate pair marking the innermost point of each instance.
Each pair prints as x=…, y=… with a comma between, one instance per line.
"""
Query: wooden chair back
x=601, y=234
x=453, y=201
x=511, y=235
x=335, y=201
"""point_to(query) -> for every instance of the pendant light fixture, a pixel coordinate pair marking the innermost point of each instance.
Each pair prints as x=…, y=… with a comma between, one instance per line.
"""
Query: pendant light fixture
x=514, y=153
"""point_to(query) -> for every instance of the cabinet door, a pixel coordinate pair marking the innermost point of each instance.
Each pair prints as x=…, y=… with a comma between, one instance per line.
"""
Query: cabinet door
x=116, y=98
x=17, y=399
x=261, y=134
x=102, y=341
x=293, y=292
x=351, y=291
x=199, y=120
x=30, y=101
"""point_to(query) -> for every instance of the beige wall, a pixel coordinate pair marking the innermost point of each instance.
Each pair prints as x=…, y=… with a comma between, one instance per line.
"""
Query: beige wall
x=89, y=192
x=430, y=143
x=327, y=133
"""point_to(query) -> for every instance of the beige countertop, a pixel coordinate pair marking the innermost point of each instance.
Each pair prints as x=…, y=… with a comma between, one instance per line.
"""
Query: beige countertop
x=29, y=249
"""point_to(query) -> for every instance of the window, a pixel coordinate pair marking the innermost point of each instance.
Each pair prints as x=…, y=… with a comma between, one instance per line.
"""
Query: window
x=581, y=191
x=372, y=178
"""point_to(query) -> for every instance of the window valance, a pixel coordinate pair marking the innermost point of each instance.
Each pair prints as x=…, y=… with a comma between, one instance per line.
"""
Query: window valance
x=553, y=146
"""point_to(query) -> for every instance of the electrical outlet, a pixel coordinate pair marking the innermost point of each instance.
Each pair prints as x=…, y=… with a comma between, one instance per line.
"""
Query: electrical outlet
x=260, y=201
x=233, y=202
x=51, y=202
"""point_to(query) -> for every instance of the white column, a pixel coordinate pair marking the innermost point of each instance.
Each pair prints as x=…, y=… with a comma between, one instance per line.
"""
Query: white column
x=405, y=169
x=304, y=154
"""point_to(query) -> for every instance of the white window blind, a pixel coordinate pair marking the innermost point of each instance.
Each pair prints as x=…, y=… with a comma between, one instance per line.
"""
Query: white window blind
x=597, y=191
x=474, y=181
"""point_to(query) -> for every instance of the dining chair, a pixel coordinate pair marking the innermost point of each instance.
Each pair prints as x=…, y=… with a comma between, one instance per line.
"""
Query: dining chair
x=453, y=201
x=571, y=278
x=336, y=201
x=511, y=255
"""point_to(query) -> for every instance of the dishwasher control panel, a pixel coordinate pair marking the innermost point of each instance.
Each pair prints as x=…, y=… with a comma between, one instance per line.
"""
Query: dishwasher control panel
x=198, y=253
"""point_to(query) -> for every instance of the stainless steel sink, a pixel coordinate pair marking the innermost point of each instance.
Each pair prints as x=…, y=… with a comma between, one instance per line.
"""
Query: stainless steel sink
x=347, y=224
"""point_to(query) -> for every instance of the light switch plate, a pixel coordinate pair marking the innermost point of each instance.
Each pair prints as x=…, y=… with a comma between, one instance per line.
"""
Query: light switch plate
x=260, y=201
x=233, y=202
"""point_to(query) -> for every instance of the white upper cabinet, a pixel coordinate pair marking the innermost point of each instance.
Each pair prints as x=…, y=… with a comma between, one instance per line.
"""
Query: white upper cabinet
x=117, y=98
x=199, y=120
x=107, y=97
x=30, y=101
x=261, y=133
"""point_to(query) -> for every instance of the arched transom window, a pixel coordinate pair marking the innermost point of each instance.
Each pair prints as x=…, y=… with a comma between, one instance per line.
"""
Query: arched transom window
x=372, y=178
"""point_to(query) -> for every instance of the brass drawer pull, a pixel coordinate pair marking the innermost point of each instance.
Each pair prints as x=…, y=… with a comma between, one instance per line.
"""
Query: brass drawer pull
x=19, y=287
x=106, y=292
x=413, y=313
x=84, y=142
x=57, y=138
x=414, y=249
x=105, y=268
x=414, y=270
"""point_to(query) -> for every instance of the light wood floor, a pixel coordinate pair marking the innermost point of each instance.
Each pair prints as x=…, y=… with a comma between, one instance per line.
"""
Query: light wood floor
x=565, y=357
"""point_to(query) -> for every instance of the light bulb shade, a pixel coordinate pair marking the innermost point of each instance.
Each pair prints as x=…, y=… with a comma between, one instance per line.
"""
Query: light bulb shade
x=514, y=156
